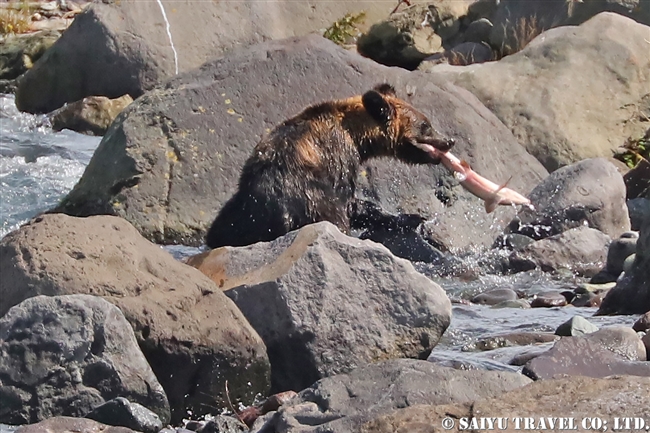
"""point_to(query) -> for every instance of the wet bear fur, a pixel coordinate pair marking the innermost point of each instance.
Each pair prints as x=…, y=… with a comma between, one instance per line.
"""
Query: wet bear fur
x=305, y=169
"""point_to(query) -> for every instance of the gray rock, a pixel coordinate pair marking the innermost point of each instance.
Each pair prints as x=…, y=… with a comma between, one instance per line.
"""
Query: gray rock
x=121, y=412
x=193, y=336
x=66, y=355
x=581, y=251
x=64, y=424
x=556, y=122
x=123, y=47
x=466, y=53
x=518, y=303
x=548, y=298
x=619, y=250
x=513, y=19
x=325, y=303
x=638, y=208
x=575, y=327
x=539, y=400
x=646, y=342
x=643, y=324
x=511, y=339
x=223, y=424
x=175, y=155
x=632, y=292
x=607, y=352
x=494, y=297
x=590, y=192
x=478, y=31
x=344, y=402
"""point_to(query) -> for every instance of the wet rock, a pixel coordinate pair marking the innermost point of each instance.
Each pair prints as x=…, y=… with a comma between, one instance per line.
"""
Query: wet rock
x=632, y=292
x=643, y=324
x=64, y=424
x=123, y=47
x=66, y=355
x=494, y=297
x=575, y=327
x=581, y=251
x=517, y=303
x=513, y=339
x=619, y=250
x=515, y=19
x=18, y=53
x=291, y=288
x=250, y=414
x=646, y=342
x=639, y=209
x=609, y=351
x=121, y=412
x=193, y=336
x=343, y=402
x=548, y=299
x=170, y=192
x=587, y=299
x=589, y=193
x=538, y=400
x=512, y=241
x=556, y=123
x=92, y=115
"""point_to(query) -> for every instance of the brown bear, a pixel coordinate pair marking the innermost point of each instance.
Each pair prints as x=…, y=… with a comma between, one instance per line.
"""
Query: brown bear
x=305, y=170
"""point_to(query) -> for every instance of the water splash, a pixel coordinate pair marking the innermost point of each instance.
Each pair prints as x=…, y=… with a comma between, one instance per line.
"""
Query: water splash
x=169, y=35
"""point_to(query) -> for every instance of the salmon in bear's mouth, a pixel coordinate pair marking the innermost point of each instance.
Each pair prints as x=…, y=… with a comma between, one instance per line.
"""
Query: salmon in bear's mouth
x=491, y=193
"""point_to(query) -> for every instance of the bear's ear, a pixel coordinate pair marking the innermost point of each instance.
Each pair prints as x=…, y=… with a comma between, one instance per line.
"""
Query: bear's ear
x=385, y=89
x=378, y=107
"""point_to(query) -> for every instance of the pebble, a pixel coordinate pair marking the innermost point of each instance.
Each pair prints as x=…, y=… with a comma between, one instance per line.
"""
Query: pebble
x=576, y=326
x=494, y=297
x=549, y=299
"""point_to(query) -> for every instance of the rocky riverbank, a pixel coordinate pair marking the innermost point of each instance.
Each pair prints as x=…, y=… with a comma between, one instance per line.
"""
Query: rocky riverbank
x=317, y=330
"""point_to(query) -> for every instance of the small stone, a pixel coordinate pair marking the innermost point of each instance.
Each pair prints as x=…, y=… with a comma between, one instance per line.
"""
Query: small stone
x=517, y=303
x=619, y=250
x=549, y=299
x=576, y=326
x=494, y=297
x=643, y=324
x=120, y=412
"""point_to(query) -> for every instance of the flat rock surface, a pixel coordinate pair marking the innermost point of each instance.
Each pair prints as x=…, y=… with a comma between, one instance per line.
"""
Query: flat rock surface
x=568, y=397
x=344, y=402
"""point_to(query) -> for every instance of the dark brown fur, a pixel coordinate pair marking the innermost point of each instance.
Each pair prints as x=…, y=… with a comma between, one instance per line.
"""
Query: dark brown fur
x=305, y=170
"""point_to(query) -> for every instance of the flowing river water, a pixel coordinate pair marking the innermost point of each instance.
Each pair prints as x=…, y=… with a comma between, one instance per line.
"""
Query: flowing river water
x=38, y=167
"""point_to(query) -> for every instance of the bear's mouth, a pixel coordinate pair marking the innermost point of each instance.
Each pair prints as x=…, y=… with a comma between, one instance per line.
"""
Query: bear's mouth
x=433, y=144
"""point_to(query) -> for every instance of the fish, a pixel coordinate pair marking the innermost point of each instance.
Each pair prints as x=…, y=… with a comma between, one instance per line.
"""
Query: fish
x=492, y=194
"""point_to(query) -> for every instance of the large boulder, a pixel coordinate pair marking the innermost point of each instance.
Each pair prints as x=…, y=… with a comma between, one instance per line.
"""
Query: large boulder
x=588, y=193
x=581, y=251
x=607, y=352
x=632, y=292
x=536, y=94
x=326, y=303
x=128, y=46
x=345, y=401
x=193, y=336
x=66, y=355
x=174, y=156
x=572, y=401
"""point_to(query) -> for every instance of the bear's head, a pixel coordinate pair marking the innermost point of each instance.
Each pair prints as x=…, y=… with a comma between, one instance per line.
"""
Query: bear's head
x=409, y=132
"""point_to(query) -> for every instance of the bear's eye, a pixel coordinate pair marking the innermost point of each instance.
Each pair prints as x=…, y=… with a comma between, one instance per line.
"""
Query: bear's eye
x=426, y=130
